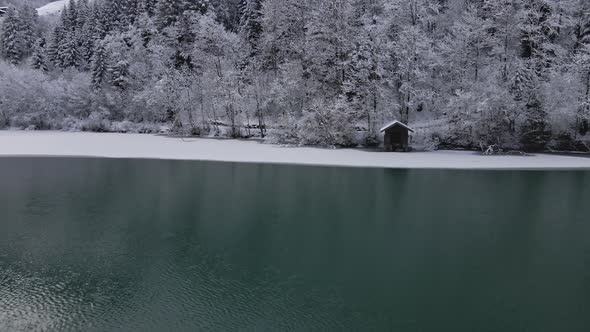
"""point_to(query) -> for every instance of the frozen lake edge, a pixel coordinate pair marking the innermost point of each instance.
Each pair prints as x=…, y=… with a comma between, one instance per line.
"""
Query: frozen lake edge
x=146, y=146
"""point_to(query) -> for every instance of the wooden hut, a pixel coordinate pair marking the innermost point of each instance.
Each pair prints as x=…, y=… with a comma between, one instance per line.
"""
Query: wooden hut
x=3, y=10
x=397, y=136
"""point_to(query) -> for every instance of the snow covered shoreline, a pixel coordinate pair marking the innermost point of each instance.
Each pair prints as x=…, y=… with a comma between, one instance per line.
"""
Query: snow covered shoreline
x=143, y=146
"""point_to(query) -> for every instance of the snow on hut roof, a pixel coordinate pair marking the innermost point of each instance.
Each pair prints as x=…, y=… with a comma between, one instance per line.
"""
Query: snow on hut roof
x=395, y=123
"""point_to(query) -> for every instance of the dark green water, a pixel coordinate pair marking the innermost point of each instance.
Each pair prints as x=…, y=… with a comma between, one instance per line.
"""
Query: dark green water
x=123, y=245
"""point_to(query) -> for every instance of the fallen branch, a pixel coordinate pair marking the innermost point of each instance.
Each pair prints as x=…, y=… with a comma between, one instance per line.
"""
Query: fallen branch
x=494, y=150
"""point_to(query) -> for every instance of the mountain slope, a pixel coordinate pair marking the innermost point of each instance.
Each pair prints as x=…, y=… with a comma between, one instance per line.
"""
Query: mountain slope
x=52, y=8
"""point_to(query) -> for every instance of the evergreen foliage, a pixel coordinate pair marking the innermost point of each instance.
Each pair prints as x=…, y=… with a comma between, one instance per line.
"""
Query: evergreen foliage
x=39, y=59
x=98, y=65
x=11, y=39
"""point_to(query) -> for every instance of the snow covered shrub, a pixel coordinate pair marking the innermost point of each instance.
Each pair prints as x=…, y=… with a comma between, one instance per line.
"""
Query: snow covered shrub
x=21, y=91
x=3, y=121
x=428, y=136
x=133, y=127
x=482, y=116
x=122, y=127
x=569, y=113
x=371, y=140
x=71, y=124
x=460, y=121
x=326, y=125
x=495, y=127
x=97, y=122
x=535, y=129
x=566, y=142
x=286, y=133
x=34, y=121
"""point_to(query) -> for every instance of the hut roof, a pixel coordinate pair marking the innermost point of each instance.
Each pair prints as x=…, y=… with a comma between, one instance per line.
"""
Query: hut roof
x=3, y=10
x=395, y=123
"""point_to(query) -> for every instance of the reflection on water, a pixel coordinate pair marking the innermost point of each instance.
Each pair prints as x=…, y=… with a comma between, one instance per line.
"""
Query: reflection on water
x=107, y=245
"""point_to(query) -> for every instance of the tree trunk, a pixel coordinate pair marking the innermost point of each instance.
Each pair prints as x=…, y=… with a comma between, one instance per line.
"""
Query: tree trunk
x=260, y=116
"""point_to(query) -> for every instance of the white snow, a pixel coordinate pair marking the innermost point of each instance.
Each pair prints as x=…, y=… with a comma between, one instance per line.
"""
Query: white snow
x=393, y=123
x=30, y=143
x=52, y=8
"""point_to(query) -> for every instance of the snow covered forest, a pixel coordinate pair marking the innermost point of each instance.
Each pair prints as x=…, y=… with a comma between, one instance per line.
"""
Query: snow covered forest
x=463, y=73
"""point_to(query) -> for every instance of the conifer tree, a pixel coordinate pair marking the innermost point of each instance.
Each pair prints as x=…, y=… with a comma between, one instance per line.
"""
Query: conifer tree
x=227, y=12
x=69, y=54
x=99, y=65
x=146, y=28
x=167, y=12
x=199, y=6
x=328, y=47
x=112, y=15
x=29, y=27
x=86, y=45
x=120, y=75
x=53, y=48
x=251, y=24
x=11, y=38
x=84, y=32
x=584, y=35
x=283, y=29
x=39, y=58
x=147, y=7
x=99, y=21
x=540, y=28
x=71, y=16
x=129, y=12
x=83, y=13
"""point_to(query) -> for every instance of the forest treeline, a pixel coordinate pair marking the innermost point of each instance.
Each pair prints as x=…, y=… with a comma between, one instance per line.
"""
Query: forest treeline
x=466, y=73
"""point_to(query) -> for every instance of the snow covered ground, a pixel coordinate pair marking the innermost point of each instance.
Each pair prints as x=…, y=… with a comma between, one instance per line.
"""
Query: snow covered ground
x=30, y=143
x=52, y=8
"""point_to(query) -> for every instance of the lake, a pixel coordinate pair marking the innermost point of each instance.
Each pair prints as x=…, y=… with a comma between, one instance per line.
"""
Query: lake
x=148, y=245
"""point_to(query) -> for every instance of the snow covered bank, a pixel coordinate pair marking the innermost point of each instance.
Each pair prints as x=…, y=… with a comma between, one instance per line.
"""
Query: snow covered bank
x=24, y=143
x=52, y=8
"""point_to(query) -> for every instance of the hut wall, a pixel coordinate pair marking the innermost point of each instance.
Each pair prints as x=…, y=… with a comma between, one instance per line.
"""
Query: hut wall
x=396, y=138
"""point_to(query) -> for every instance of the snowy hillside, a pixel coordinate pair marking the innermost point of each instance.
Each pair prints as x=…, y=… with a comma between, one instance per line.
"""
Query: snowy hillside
x=52, y=8
x=463, y=74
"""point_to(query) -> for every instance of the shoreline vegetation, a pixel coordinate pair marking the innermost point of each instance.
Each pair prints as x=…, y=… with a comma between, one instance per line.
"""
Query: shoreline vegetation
x=162, y=146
